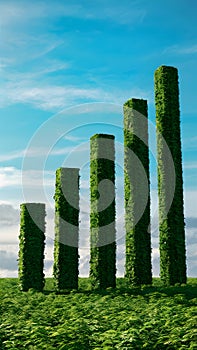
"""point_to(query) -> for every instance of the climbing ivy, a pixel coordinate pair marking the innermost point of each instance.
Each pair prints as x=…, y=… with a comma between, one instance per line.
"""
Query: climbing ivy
x=65, y=268
x=137, y=193
x=102, y=212
x=171, y=226
x=31, y=246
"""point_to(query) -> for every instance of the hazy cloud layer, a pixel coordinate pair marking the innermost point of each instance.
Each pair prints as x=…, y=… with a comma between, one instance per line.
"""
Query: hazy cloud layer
x=9, y=223
x=191, y=222
x=8, y=215
x=8, y=258
x=8, y=261
x=12, y=14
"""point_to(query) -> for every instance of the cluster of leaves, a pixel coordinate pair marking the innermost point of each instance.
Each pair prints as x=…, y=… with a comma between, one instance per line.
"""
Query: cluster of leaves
x=102, y=213
x=172, y=232
x=31, y=246
x=66, y=258
x=137, y=193
x=151, y=318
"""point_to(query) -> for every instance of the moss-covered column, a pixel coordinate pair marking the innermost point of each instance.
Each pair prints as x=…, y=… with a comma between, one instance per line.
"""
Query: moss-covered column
x=31, y=246
x=171, y=222
x=66, y=258
x=102, y=212
x=137, y=193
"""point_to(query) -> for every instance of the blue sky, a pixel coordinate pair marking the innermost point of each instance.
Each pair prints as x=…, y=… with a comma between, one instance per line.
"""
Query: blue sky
x=56, y=56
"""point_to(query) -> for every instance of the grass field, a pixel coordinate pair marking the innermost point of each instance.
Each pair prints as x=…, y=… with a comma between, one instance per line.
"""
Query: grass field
x=153, y=317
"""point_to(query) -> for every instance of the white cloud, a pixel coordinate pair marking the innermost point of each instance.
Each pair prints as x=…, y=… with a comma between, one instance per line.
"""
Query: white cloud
x=29, y=88
x=68, y=149
x=12, y=155
x=190, y=165
x=74, y=138
x=9, y=235
x=9, y=243
x=189, y=143
x=13, y=177
x=9, y=177
x=181, y=50
x=13, y=14
x=190, y=203
x=22, y=47
x=43, y=152
x=122, y=13
x=50, y=97
x=37, y=72
x=35, y=86
x=188, y=50
x=9, y=216
x=85, y=184
x=53, y=97
x=8, y=260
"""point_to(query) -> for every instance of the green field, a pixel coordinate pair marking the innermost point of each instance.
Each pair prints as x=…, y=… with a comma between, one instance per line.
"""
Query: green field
x=125, y=318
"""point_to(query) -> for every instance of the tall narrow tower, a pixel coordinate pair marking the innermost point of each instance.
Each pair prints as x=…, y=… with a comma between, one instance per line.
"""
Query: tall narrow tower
x=171, y=220
x=65, y=268
x=102, y=215
x=137, y=193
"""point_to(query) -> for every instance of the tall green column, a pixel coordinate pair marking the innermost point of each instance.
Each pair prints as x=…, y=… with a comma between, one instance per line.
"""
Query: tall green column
x=102, y=212
x=138, y=268
x=66, y=258
x=31, y=246
x=171, y=220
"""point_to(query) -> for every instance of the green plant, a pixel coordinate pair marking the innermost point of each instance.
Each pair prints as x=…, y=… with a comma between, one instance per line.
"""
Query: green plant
x=137, y=193
x=31, y=246
x=153, y=317
x=171, y=223
x=65, y=268
x=102, y=215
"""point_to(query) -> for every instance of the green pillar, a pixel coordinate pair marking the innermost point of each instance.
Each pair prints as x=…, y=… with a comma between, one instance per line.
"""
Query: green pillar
x=171, y=221
x=65, y=268
x=31, y=246
x=138, y=268
x=102, y=212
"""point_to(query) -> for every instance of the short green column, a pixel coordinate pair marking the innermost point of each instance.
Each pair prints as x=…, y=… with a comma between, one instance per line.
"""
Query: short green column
x=66, y=258
x=31, y=246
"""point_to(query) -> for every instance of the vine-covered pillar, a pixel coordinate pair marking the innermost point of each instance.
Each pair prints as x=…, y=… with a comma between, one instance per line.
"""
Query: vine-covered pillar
x=66, y=258
x=171, y=217
x=138, y=268
x=102, y=212
x=31, y=246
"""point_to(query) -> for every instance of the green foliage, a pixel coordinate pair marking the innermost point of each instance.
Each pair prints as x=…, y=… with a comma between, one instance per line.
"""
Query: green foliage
x=172, y=232
x=31, y=246
x=65, y=268
x=138, y=241
x=154, y=317
x=102, y=215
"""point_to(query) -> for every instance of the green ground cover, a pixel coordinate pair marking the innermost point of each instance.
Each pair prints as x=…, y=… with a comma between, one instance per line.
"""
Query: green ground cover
x=154, y=317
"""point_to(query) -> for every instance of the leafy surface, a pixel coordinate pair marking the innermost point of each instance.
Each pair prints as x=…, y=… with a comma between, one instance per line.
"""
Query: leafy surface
x=31, y=246
x=137, y=192
x=144, y=317
x=102, y=211
x=171, y=221
x=66, y=258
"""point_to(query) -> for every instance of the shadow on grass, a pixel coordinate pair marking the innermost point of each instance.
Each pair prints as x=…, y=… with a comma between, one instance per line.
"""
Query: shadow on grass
x=123, y=288
x=189, y=291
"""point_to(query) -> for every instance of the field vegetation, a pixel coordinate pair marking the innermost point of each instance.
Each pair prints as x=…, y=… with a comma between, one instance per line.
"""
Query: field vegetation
x=146, y=317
